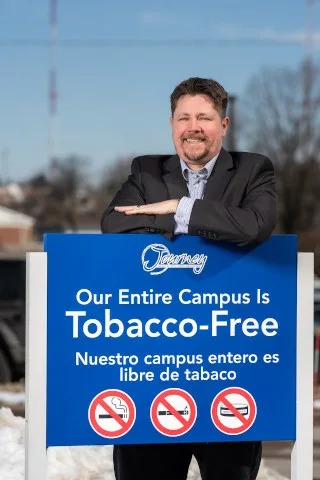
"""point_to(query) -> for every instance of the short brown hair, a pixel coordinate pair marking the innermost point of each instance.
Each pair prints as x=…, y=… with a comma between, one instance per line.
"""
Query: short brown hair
x=201, y=86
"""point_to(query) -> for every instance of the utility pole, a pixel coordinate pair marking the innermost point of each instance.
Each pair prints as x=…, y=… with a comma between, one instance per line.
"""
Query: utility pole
x=308, y=79
x=4, y=165
x=231, y=135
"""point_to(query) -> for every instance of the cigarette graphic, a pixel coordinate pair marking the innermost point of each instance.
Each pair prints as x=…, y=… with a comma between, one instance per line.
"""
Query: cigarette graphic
x=182, y=412
x=106, y=415
x=118, y=405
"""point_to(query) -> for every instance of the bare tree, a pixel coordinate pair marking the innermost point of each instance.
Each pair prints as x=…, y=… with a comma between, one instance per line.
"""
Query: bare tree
x=68, y=181
x=282, y=120
x=111, y=180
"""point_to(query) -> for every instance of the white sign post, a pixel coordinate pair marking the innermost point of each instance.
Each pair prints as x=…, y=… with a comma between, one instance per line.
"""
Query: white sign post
x=36, y=366
x=302, y=449
x=36, y=369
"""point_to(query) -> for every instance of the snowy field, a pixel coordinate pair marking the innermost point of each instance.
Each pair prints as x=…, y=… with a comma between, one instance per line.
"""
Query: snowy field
x=65, y=463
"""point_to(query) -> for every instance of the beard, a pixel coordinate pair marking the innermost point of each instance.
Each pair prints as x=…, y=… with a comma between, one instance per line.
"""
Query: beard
x=196, y=157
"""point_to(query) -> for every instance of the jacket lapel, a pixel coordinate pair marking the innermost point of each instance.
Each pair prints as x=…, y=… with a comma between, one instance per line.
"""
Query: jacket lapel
x=175, y=183
x=220, y=177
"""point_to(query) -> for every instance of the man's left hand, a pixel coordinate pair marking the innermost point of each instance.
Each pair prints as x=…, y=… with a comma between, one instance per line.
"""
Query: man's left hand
x=160, y=208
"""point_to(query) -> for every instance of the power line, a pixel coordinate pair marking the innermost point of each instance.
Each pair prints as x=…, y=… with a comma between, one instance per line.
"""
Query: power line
x=145, y=43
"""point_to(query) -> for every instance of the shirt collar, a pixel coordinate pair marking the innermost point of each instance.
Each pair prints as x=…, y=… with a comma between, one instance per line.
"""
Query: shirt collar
x=207, y=169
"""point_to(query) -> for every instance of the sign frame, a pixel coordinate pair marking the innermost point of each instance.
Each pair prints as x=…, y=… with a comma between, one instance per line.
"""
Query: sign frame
x=36, y=368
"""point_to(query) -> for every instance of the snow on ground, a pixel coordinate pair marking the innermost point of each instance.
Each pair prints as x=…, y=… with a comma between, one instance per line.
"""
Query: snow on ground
x=69, y=463
x=12, y=398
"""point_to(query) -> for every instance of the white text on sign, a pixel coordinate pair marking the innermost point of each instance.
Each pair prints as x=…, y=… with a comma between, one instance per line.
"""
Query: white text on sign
x=186, y=296
x=132, y=367
x=169, y=327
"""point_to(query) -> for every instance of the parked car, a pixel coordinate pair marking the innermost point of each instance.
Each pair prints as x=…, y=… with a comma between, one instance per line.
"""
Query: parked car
x=12, y=316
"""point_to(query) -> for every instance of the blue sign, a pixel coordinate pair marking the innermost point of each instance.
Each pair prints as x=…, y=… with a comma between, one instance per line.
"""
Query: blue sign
x=153, y=341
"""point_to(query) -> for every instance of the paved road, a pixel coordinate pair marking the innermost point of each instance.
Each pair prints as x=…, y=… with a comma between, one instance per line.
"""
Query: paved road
x=277, y=455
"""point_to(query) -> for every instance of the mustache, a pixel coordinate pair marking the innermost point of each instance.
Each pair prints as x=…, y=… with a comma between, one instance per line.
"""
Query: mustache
x=194, y=137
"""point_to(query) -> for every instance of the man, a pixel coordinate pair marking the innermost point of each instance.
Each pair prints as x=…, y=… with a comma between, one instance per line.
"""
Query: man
x=206, y=191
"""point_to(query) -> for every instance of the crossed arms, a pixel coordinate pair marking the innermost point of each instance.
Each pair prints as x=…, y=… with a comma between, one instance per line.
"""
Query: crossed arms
x=251, y=222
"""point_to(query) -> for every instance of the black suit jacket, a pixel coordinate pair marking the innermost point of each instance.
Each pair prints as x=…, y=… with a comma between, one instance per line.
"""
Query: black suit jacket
x=239, y=205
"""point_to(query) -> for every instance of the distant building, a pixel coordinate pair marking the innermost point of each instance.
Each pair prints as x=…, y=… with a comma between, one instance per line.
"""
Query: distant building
x=16, y=229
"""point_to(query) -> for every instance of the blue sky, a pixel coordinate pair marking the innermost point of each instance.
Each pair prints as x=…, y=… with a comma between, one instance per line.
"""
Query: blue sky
x=114, y=101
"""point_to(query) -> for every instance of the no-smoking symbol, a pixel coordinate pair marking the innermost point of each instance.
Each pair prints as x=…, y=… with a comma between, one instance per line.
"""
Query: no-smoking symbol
x=233, y=411
x=173, y=412
x=112, y=413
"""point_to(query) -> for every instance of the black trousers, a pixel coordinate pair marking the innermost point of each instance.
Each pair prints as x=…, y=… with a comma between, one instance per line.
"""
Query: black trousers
x=217, y=461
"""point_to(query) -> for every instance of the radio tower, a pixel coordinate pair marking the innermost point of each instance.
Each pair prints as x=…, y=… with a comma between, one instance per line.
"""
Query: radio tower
x=52, y=83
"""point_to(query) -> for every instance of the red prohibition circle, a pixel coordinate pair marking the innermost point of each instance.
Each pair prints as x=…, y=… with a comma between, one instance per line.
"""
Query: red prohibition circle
x=247, y=422
x=187, y=424
x=124, y=426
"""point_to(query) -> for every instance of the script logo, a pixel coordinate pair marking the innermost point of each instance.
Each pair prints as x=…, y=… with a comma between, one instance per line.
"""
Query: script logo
x=163, y=260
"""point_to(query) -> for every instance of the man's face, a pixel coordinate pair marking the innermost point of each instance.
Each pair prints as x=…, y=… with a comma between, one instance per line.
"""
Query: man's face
x=197, y=130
